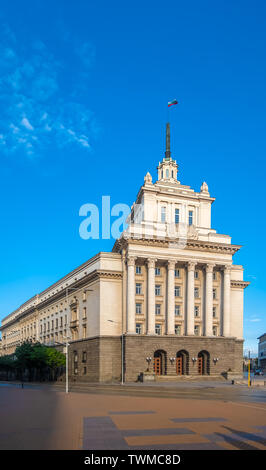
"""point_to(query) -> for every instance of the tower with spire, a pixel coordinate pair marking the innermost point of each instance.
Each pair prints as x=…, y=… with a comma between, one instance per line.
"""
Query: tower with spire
x=168, y=168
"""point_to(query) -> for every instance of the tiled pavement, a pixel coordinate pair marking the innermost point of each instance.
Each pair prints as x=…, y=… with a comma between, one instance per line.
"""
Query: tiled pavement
x=212, y=433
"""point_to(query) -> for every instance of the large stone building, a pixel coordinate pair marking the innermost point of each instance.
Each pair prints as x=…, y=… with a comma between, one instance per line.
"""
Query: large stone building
x=262, y=352
x=167, y=299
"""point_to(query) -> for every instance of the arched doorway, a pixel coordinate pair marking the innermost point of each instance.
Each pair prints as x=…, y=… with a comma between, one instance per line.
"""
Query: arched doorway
x=182, y=362
x=159, y=363
x=204, y=363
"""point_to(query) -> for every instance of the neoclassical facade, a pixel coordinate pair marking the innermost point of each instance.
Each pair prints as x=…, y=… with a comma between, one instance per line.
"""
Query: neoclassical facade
x=168, y=298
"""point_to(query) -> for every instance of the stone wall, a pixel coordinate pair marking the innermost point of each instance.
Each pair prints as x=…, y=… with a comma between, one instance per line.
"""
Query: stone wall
x=138, y=348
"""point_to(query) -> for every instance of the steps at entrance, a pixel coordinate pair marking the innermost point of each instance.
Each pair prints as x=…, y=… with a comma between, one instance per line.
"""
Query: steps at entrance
x=189, y=378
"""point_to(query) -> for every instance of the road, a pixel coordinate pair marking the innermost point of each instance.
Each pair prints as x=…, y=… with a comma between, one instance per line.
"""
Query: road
x=191, y=416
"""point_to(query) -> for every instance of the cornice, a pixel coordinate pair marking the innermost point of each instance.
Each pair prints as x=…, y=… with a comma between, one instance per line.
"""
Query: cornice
x=190, y=245
x=239, y=284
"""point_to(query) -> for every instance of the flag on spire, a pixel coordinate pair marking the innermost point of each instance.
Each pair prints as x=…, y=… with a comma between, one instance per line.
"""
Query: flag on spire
x=171, y=103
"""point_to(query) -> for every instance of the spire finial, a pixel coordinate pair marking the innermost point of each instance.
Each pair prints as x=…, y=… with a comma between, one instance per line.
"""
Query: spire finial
x=167, y=152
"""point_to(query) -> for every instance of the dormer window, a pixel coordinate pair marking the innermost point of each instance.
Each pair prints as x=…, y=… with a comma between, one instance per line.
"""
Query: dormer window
x=172, y=174
x=167, y=173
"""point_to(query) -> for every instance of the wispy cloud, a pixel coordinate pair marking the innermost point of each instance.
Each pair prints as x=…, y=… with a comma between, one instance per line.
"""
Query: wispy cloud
x=36, y=112
x=254, y=320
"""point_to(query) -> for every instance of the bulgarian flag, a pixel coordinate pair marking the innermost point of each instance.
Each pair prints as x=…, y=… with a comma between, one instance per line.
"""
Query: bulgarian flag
x=171, y=103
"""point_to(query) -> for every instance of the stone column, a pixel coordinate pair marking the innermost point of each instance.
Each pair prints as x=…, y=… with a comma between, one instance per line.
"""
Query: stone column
x=131, y=290
x=151, y=296
x=171, y=298
x=226, y=300
x=190, y=297
x=209, y=300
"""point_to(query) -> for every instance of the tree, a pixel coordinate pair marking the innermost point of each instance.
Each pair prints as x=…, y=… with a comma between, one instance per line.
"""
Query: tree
x=55, y=359
x=7, y=363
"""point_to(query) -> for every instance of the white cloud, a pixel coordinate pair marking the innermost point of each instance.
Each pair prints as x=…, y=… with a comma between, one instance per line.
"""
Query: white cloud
x=27, y=124
x=255, y=320
x=35, y=111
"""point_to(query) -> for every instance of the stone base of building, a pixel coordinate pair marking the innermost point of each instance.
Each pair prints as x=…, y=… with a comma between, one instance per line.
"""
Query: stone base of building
x=172, y=356
x=167, y=357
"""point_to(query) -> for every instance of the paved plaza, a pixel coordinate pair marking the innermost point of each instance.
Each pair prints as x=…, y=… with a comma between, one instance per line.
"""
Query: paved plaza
x=130, y=417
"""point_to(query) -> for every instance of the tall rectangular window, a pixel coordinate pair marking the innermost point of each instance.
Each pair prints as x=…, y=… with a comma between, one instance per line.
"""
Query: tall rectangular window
x=157, y=309
x=176, y=216
x=177, y=291
x=178, y=330
x=177, y=273
x=157, y=271
x=190, y=217
x=177, y=310
x=214, y=330
x=138, y=309
x=214, y=294
x=196, y=311
x=138, y=328
x=138, y=269
x=138, y=288
x=196, y=274
x=158, y=329
x=163, y=214
x=214, y=312
x=196, y=330
x=196, y=292
x=157, y=289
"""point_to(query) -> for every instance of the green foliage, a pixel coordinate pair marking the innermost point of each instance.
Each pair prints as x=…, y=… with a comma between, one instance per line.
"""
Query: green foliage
x=55, y=358
x=36, y=355
x=7, y=362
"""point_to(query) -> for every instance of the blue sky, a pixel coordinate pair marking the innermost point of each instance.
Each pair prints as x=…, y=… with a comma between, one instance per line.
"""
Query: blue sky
x=84, y=88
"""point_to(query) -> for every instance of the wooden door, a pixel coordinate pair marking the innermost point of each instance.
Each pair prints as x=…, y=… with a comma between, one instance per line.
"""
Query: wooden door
x=179, y=365
x=200, y=365
x=157, y=365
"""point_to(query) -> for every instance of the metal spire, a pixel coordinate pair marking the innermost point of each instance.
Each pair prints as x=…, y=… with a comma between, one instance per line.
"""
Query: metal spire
x=167, y=152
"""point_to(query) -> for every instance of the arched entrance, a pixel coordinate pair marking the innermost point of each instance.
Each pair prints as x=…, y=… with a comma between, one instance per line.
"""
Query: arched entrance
x=182, y=362
x=159, y=363
x=204, y=363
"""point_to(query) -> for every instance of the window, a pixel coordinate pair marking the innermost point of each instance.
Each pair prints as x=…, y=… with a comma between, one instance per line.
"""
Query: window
x=214, y=312
x=138, y=269
x=84, y=370
x=176, y=216
x=157, y=271
x=84, y=331
x=84, y=296
x=75, y=356
x=138, y=288
x=214, y=276
x=158, y=329
x=56, y=323
x=190, y=217
x=75, y=370
x=163, y=214
x=84, y=312
x=177, y=272
x=162, y=174
x=214, y=294
x=84, y=356
x=196, y=330
x=214, y=330
x=196, y=274
x=157, y=309
x=138, y=328
x=172, y=173
x=196, y=292
x=167, y=173
x=178, y=330
x=177, y=291
x=177, y=310
x=138, y=309
x=196, y=311
x=157, y=290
